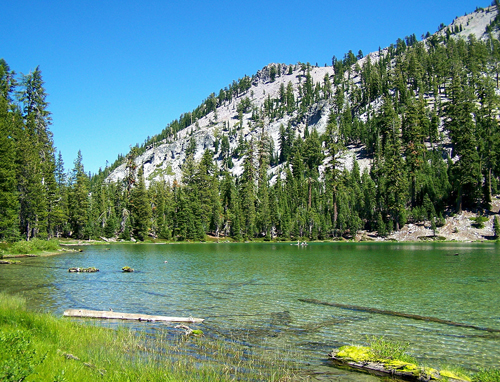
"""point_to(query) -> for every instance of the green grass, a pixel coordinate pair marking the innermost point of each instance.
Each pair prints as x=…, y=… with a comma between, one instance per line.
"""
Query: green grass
x=33, y=246
x=487, y=375
x=42, y=347
x=393, y=350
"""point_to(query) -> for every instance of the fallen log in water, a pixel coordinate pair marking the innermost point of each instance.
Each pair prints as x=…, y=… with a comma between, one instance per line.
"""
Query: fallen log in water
x=84, y=270
x=397, y=314
x=395, y=368
x=125, y=316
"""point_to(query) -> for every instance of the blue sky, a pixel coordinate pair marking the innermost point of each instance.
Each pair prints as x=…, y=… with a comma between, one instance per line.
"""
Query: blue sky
x=119, y=71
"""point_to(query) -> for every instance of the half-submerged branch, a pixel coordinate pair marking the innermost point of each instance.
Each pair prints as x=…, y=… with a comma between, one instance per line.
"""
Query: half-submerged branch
x=126, y=316
x=398, y=314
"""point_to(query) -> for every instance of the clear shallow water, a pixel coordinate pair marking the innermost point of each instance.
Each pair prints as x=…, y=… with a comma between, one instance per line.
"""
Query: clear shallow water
x=251, y=293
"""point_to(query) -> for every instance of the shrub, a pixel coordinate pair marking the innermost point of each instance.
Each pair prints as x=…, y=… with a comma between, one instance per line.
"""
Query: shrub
x=441, y=221
x=496, y=227
x=479, y=221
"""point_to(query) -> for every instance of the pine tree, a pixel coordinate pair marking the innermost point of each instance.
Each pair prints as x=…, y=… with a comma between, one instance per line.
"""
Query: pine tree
x=205, y=186
x=414, y=127
x=313, y=157
x=140, y=208
x=162, y=209
x=228, y=199
x=489, y=135
x=290, y=98
x=78, y=203
x=335, y=150
x=263, y=213
x=460, y=124
x=391, y=174
x=60, y=215
x=9, y=205
x=248, y=194
x=36, y=158
x=190, y=202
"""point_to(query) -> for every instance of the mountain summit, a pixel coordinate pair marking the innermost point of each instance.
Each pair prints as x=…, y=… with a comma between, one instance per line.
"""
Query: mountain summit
x=301, y=96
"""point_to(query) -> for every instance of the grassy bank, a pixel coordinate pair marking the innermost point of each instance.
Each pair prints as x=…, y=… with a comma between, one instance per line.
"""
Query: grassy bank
x=32, y=247
x=41, y=347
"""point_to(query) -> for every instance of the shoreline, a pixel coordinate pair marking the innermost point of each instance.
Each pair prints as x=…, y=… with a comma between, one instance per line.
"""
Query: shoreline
x=457, y=229
x=39, y=254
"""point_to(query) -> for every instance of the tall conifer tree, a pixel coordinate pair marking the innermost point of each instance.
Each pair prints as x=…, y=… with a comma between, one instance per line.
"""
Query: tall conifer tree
x=9, y=206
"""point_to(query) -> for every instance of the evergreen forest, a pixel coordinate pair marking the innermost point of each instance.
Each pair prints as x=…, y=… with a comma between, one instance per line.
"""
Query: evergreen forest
x=426, y=113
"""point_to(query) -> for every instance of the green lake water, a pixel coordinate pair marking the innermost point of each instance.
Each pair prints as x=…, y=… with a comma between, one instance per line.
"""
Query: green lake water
x=251, y=293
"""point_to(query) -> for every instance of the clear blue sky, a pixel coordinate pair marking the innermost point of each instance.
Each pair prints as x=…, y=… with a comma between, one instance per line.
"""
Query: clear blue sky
x=119, y=71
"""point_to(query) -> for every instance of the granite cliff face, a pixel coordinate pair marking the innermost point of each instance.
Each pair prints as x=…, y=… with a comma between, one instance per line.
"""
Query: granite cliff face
x=163, y=160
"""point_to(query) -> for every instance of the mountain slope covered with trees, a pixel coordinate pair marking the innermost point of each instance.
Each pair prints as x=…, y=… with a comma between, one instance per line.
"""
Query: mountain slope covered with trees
x=409, y=133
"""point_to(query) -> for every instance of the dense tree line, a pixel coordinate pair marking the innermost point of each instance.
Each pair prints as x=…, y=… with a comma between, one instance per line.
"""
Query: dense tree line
x=425, y=112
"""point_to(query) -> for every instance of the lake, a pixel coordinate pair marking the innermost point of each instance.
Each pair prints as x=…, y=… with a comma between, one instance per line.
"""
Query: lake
x=260, y=294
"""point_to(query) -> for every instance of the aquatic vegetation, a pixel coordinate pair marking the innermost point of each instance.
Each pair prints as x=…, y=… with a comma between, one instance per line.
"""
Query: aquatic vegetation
x=391, y=357
x=42, y=347
x=454, y=374
x=383, y=349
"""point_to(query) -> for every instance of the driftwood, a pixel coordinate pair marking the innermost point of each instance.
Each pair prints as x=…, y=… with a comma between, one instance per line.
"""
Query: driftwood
x=188, y=331
x=86, y=270
x=126, y=316
x=398, y=314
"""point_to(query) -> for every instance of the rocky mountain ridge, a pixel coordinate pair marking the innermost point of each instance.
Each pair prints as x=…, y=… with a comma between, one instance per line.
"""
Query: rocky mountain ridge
x=163, y=160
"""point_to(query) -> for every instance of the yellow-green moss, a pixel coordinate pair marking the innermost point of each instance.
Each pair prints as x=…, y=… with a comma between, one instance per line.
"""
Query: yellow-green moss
x=454, y=375
x=355, y=353
x=402, y=366
x=366, y=354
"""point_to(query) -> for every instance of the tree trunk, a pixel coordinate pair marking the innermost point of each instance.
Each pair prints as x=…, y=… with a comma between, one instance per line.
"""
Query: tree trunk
x=335, y=212
x=309, y=202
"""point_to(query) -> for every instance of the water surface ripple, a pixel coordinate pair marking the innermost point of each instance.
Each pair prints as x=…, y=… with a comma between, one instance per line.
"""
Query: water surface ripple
x=255, y=293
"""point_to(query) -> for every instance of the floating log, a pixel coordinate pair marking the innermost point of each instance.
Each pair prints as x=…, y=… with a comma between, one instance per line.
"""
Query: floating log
x=398, y=314
x=86, y=270
x=103, y=314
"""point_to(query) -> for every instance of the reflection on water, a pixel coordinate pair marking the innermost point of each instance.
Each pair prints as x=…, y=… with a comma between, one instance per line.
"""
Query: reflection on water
x=252, y=293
